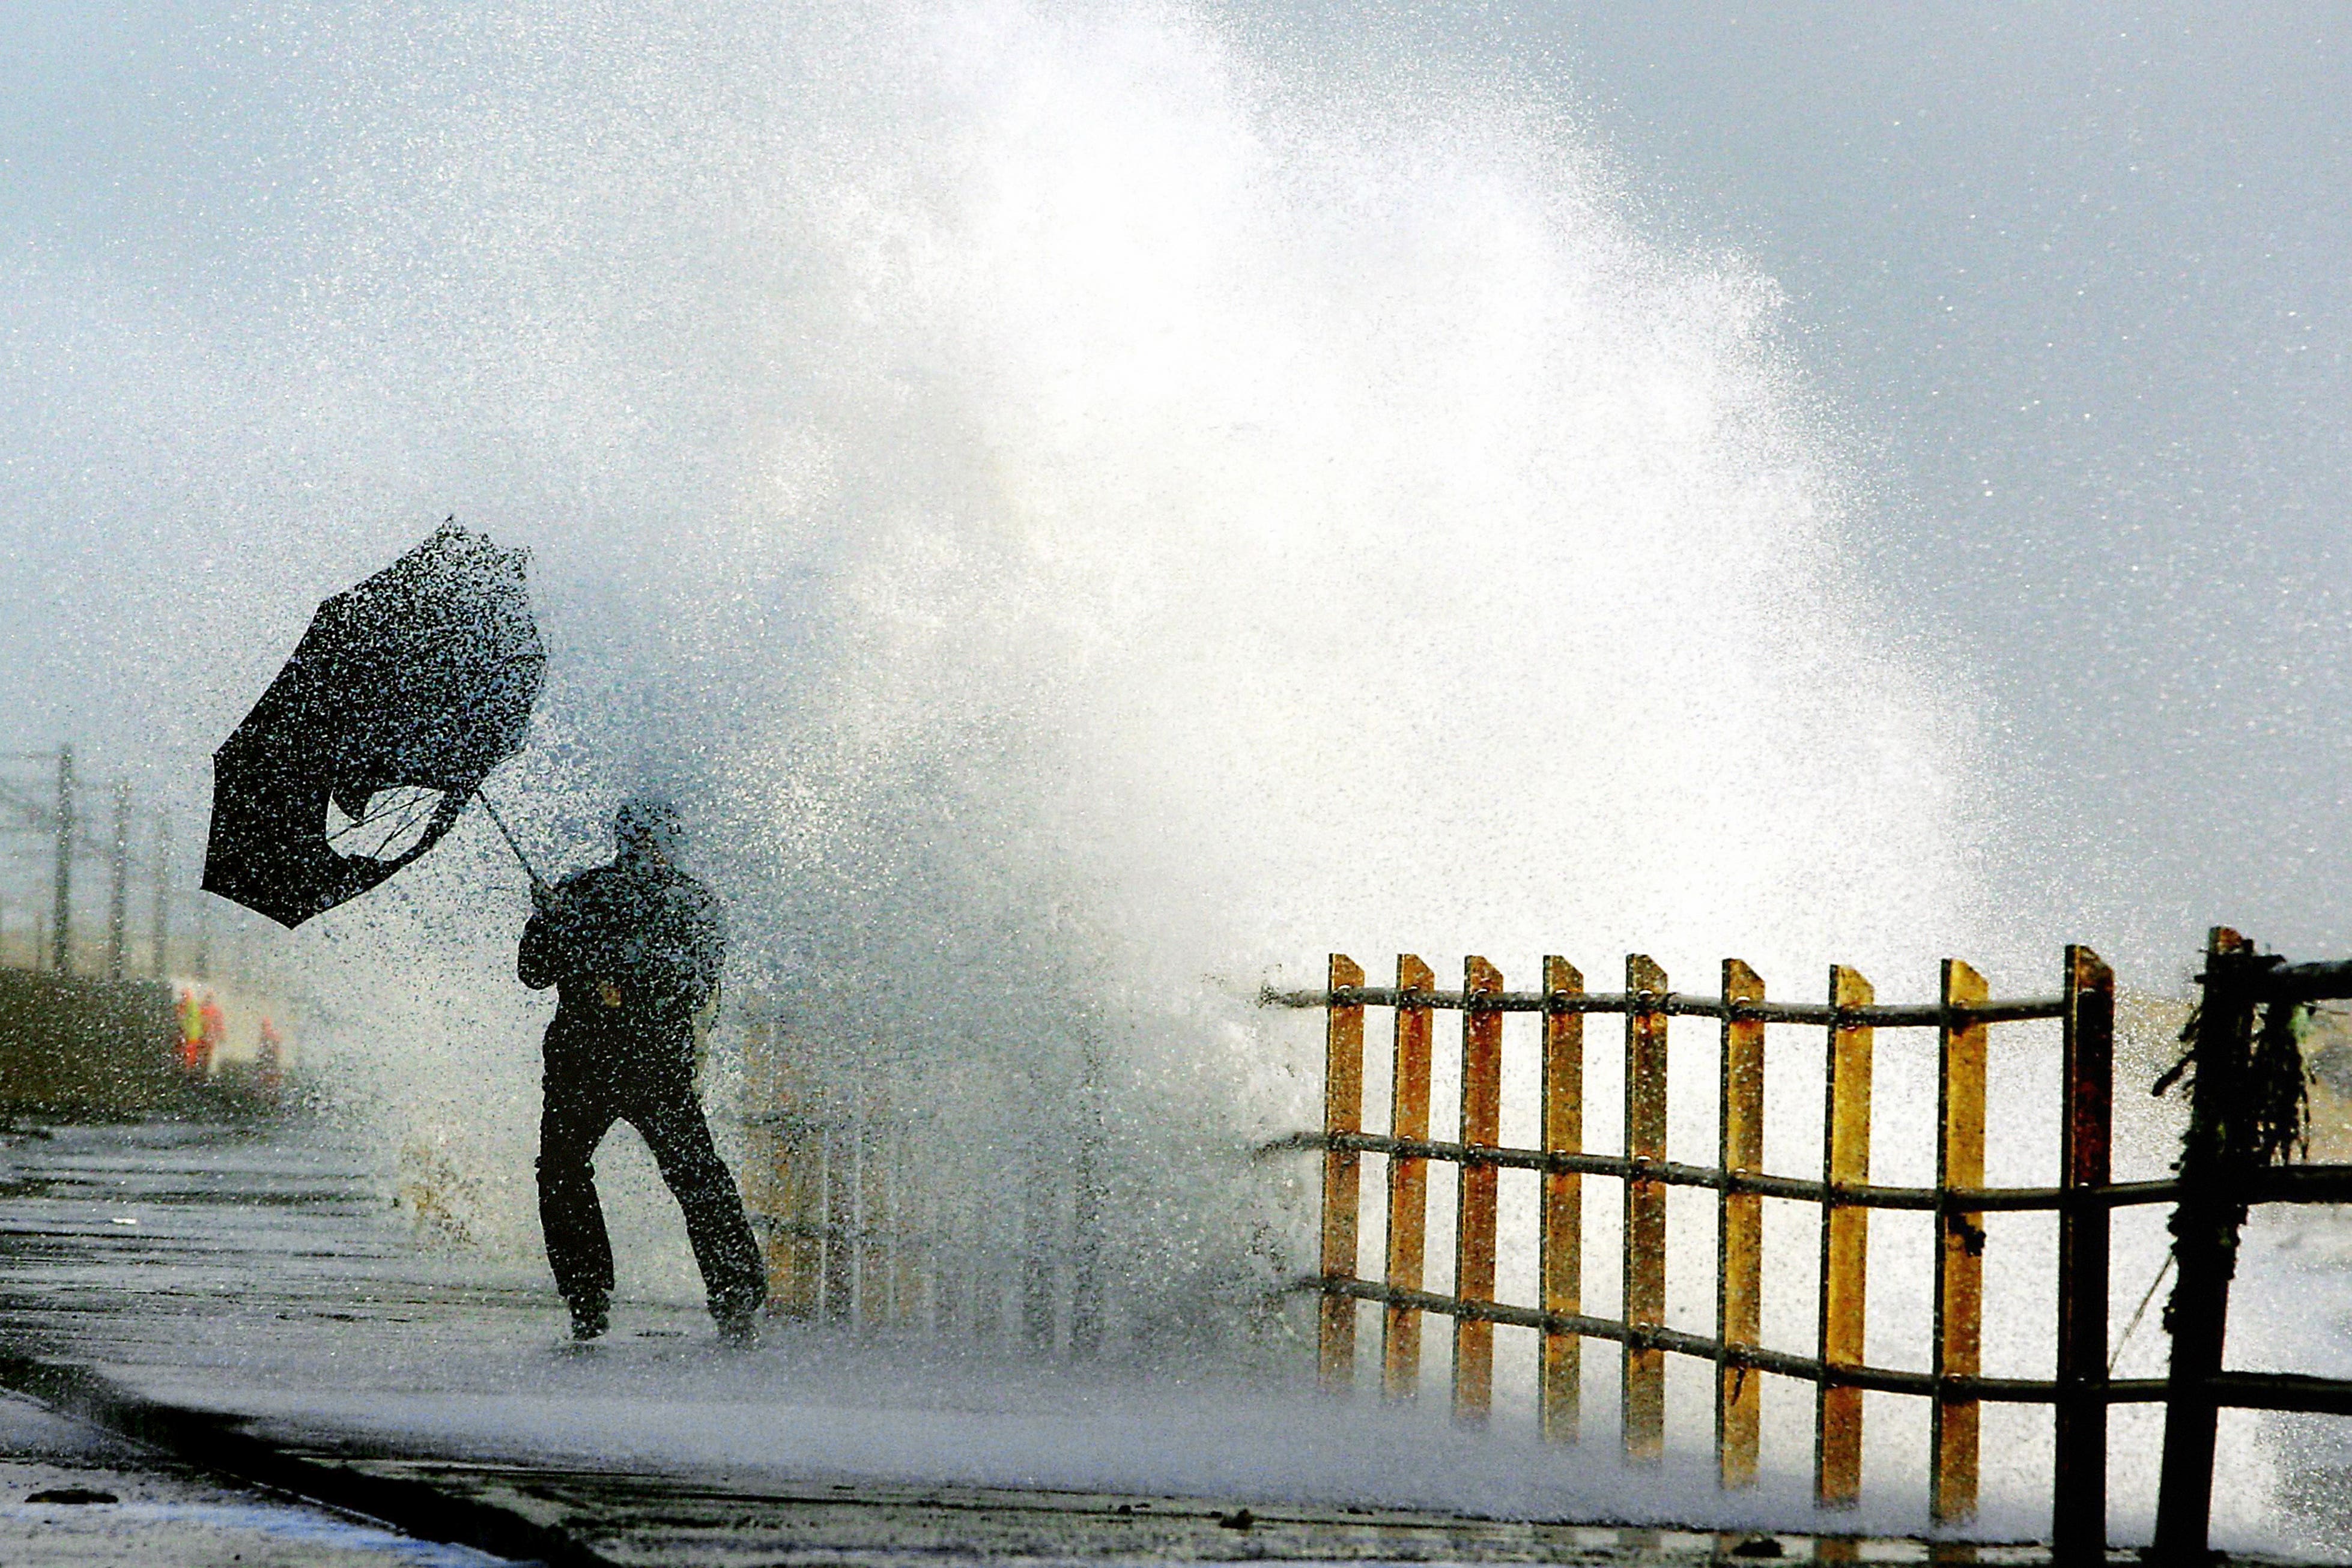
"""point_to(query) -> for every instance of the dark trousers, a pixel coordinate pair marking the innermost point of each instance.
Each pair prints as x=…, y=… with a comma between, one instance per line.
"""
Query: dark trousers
x=578, y=1110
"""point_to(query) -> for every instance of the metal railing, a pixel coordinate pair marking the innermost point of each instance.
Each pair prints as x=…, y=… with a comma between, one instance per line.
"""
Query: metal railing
x=2218, y=1179
x=1838, y=1369
x=2235, y=1120
x=860, y=1226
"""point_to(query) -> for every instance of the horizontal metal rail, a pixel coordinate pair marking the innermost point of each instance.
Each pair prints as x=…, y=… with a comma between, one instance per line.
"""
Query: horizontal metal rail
x=847, y=1235
x=2282, y=1184
x=1806, y=1369
x=2300, y=1184
x=1921, y=1015
x=2282, y=1391
x=2327, y=981
x=800, y=1121
x=2235, y=1390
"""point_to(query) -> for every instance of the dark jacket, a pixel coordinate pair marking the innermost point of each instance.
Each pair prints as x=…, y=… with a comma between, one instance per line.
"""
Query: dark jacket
x=634, y=950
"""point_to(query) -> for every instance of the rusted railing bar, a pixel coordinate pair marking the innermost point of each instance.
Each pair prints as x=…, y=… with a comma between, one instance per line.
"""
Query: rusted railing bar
x=2283, y=1391
x=2329, y=981
x=2078, y=1474
x=1784, y=1363
x=784, y=1121
x=2301, y=1183
x=2336, y=1188
x=1907, y=1015
x=770, y=1225
x=2297, y=1184
x=2216, y=1153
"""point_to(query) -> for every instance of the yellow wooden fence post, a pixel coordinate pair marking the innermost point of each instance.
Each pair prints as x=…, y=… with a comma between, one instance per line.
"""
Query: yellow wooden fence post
x=874, y=1216
x=1845, y=1244
x=794, y=1247
x=1473, y=1210
x=908, y=1294
x=1960, y=1252
x=1343, y=1112
x=1644, y=1394
x=840, y=1221
x=985, y=1288
x=785, y=1164
x=1560, y=1386
x=1739, y=1231
x=1408, y=1183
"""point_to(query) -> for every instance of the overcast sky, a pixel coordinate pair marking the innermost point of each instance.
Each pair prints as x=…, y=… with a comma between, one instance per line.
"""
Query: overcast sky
x=2069, y=280
x=2072, y=280
x=2076, y=275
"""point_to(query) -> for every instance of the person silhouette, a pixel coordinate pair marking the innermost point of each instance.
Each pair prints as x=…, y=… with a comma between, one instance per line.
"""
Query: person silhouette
x=634, y=949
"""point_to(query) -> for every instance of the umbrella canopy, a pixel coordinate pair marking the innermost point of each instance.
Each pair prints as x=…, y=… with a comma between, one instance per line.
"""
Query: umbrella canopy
x=408, y=688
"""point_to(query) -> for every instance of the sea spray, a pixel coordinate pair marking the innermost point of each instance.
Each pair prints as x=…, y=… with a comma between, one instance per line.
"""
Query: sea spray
x=1088, y=518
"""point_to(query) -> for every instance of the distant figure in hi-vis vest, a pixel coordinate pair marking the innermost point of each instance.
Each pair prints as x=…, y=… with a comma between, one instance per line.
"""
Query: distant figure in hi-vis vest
x=192, y=1032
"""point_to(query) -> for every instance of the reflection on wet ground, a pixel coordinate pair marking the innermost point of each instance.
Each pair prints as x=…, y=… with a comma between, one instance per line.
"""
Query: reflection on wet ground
x=72, y=1494
x=254, y=1297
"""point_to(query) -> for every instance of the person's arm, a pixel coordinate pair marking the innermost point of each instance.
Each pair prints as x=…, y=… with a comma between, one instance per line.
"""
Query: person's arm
x=707, y=952
x=539, y=959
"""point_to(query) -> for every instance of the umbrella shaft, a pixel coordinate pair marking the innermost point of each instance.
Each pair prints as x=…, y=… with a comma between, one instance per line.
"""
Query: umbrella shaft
x=521, y=859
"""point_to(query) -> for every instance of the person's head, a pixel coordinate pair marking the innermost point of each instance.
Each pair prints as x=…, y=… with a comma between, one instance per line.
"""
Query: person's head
x=647, y=825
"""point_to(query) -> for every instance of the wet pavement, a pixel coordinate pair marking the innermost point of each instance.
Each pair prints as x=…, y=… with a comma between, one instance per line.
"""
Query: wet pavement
x=71, y=1493
x=247, y=1302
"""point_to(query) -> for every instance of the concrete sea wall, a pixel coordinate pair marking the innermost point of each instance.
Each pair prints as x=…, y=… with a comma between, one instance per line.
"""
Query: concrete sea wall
x=77, y=1047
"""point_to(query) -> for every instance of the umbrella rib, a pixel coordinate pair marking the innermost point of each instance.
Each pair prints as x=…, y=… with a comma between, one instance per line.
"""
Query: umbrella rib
x=418, y=808
x=404, y=816
x=400, y=825
x=356, y=823
x=378, y=835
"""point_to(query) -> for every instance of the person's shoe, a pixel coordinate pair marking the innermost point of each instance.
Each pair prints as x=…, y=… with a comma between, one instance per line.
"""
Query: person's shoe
x=591, y=1317
x=738, y=1328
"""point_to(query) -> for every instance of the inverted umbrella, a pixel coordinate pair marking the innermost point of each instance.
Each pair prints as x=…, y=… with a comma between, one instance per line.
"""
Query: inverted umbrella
x=401, y=698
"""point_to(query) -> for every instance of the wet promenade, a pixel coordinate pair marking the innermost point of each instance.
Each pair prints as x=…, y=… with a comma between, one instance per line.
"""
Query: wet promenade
x=249, y=1304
